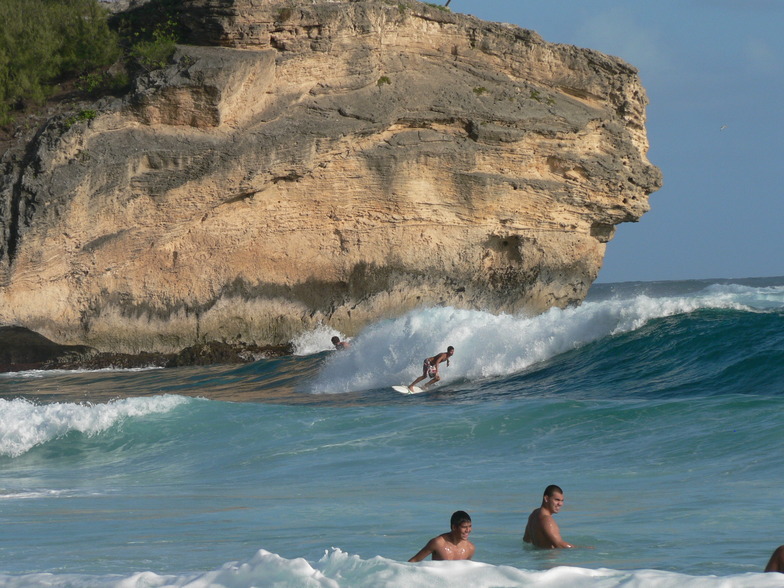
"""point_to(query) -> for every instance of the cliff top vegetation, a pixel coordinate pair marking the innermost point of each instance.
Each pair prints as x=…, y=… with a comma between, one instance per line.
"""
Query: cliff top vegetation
x=52, y=49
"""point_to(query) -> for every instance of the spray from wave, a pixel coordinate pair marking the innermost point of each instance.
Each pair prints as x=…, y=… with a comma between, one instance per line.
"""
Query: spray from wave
x=315, y=341
x=25, y=424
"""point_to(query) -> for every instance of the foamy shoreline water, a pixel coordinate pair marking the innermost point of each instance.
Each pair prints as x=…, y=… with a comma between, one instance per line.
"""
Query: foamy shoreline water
x=340, y=570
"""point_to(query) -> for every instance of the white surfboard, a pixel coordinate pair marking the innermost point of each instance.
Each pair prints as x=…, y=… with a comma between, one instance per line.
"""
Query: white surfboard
x=405, y=390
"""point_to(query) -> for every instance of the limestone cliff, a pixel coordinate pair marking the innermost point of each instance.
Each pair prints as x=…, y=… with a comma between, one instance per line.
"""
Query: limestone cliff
x=323, y=161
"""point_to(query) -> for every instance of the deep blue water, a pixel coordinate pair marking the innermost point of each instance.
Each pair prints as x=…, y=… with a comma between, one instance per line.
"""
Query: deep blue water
x=656, y=406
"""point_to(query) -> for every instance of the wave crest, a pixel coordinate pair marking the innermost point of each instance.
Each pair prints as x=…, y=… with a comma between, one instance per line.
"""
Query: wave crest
x=487, y=345
x=25, y=424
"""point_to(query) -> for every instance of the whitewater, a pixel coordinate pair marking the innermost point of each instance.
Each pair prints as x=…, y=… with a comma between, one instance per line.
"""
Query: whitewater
x=655, y=406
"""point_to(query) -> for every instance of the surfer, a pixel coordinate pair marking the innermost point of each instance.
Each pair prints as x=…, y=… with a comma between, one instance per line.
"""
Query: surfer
x=542, y=530
x=776, y=562
x=451, y=545
x=430, y=368
x=340, y=345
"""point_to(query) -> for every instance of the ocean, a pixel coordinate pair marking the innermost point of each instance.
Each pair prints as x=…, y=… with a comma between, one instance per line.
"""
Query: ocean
x=657, y=407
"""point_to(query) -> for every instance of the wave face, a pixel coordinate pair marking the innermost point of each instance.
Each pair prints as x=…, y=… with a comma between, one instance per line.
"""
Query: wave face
x=24, y=424
x=655, y=406
x=736, y=323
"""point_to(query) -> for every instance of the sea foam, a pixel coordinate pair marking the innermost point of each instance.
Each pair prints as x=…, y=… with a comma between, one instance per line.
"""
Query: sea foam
x=25, y=424
x=341, y=570
x=316, y=340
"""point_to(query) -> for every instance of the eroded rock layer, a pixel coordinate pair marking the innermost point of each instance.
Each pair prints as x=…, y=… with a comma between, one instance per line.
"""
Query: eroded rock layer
x=323, y=161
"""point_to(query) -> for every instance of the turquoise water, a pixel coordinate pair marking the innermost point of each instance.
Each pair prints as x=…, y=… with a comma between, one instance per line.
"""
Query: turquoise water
x=656, y=407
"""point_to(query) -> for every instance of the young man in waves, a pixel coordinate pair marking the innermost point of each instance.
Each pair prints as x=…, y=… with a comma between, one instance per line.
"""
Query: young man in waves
x=452, y=545
x=542, y=530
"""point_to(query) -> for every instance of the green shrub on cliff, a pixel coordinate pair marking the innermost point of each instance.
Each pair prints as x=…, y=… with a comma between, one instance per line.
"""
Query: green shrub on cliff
x=156, y=52
x=44, y=41
x=149, y=33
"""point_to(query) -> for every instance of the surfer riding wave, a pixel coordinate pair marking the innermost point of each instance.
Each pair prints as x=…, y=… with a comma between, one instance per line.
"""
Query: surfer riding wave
x=430, y=368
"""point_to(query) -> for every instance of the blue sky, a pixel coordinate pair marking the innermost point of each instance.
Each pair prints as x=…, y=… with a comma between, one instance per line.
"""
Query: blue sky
x=705, y=64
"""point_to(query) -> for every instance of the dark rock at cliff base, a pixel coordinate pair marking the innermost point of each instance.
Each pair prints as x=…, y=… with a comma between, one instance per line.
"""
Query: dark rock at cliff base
x=217, y=352
x=116, y=361
x=23, y=349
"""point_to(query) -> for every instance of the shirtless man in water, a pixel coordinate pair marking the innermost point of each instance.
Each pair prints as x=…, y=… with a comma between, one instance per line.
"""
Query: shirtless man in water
x=542, y=530
x=776, y=562
x=430, y=368
x=452, y=545
x=340, y=345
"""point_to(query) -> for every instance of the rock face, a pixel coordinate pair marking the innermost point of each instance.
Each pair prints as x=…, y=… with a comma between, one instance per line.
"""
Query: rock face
x=323, y=161
x=22, y=349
